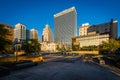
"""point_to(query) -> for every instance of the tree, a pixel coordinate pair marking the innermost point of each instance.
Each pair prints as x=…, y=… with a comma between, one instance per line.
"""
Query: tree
x=58, y=48
x=110, y=46
x=31, y=46
x=5, y=44
x=89, y=48
x=68, y=48
x=63, y=48
x=75, y=47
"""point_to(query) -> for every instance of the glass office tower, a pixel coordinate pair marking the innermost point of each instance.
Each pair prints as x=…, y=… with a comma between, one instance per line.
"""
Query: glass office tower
x=65, y=24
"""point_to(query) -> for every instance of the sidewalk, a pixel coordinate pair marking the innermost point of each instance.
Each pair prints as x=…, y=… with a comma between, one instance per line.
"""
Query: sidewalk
x=112, y=68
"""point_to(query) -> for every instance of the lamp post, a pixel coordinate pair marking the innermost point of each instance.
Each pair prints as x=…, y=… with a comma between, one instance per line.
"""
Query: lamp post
x=29, y=42
x=16, y=54
x=99, y=45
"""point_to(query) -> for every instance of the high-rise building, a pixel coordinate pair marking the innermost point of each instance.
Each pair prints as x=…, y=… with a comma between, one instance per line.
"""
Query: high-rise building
x=27, y=34
x=65, y=24
x=33, y=34
x=83, y=29
x=20, y=32
x=110, y=28
x=47, y=34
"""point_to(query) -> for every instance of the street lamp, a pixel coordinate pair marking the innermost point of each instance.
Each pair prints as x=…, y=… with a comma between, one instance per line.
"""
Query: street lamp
x=16, y=49
x=29, y=42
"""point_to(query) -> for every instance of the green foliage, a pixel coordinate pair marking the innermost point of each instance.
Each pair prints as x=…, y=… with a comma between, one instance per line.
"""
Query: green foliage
x=89, y=48
x=63, y=47
x=75, y=48
x=19, y=48
x=3, y=31
x=5, y=45
x=110, y=46
x=31, y=46
x=69, y=48
x=58, y=48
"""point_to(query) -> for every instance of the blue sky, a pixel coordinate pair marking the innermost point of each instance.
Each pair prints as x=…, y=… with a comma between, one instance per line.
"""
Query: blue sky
x=37, y=13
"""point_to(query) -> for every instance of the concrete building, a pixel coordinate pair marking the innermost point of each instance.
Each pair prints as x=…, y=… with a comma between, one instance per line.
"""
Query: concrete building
x=90, y=40
x=20, y=32
x=83, y=29
x=11, y=31
x=47, y=44
x=48, y=47
x=110, y=28
x=47, y=34
x=27, y=34
x=65, y=24
x=33, y=34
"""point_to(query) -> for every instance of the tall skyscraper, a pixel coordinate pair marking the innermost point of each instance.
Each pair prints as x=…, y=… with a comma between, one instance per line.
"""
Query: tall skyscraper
x=20, y=32
x=47, y=34
x=33, y=34
x=65, y=24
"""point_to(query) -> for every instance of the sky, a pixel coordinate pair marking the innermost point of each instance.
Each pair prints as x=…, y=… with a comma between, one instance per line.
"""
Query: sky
x=37, y=13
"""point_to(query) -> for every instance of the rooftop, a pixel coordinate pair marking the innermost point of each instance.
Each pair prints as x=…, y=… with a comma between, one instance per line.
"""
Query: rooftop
x=65, y=11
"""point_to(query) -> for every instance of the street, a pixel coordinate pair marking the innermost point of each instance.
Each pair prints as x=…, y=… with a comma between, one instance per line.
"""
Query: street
x=63, y=68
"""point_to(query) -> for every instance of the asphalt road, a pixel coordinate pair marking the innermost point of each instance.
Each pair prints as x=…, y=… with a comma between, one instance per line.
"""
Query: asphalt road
x=63, y=68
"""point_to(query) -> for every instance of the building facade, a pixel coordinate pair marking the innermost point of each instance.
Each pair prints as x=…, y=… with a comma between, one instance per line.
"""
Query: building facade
x=20, y=32
x=65, y=24
x=110, y=28
x=90, y=40
x=83, y=29
x=27, y=34
x=33, y=34
x=48, y=47
x=47, y=34
x=11, y=32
